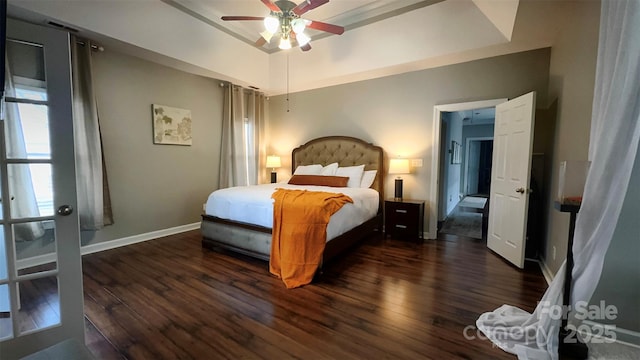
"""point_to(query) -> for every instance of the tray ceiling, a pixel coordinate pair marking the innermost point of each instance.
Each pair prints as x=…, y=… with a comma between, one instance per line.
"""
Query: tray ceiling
x=383, y=37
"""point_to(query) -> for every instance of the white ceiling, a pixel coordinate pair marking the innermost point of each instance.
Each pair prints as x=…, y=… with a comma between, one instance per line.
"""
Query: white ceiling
x=383, y=37
x=478, y=116
x=347, y=13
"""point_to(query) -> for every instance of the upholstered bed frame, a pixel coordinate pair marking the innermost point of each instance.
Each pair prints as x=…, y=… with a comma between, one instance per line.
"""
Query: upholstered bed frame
x=255, y=240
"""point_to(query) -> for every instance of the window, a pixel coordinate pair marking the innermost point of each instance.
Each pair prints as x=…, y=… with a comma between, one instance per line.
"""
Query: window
x=250, y=160
x=35, y=128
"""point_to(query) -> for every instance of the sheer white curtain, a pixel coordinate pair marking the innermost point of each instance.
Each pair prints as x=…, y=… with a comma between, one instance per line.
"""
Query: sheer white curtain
x=615, y=130
x=94, y=206
x=19, y=176
x=243, y=149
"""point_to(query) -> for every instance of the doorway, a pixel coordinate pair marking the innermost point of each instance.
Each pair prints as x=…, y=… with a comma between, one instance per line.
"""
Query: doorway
x=465, y=176
x=439, y=147
x=478, y=166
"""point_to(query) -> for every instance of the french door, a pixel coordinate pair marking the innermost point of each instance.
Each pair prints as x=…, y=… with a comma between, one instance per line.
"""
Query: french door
x=41, y=301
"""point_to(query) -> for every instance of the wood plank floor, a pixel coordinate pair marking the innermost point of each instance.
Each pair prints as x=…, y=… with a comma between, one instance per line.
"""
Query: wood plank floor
x=171, y=299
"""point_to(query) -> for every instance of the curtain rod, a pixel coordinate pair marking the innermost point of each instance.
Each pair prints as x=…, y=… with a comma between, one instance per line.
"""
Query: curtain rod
x=94, y=47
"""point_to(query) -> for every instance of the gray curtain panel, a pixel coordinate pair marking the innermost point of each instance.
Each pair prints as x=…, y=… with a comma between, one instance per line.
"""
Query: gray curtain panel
x=94, y=204
x=243, y=151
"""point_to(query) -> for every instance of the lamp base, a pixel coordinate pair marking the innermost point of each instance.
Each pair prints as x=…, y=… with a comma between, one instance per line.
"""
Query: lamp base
x=398, y=193
x=274, y=177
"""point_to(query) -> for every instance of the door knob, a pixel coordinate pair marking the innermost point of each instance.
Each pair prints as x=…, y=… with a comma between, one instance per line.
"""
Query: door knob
x=520, y=190
x=65, y=210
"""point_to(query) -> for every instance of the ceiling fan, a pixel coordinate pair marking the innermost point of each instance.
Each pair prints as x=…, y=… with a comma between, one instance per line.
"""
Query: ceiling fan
x=284, y=20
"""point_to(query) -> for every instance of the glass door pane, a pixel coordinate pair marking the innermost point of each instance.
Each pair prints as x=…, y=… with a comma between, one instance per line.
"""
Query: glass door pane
x=6, y=325
x=30, y=189
x=39, y=304
x=5, y=304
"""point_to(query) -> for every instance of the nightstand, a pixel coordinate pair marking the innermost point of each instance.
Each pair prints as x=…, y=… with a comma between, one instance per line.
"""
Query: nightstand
x=404, y=218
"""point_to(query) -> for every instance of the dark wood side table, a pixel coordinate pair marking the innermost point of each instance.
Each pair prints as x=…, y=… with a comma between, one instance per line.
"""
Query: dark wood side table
x=404, y=218
x=574, y=349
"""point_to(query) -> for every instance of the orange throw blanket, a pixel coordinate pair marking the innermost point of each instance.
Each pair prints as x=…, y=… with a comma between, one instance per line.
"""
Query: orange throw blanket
x=300, y=219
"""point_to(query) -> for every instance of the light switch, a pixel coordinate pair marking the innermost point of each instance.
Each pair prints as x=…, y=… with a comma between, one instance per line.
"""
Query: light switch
x=416, y=162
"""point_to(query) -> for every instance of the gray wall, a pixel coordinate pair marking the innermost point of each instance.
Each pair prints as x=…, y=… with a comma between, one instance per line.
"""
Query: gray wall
x=396, y=112
x=571, y=82
x=452, y=175
x=471, y=131
x=620, y=280
x=154, y=187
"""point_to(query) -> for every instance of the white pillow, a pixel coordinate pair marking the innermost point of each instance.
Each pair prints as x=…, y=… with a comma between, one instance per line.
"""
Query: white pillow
x=368, y=177
x=308, y=169
x=353, y=172
x=329, y=170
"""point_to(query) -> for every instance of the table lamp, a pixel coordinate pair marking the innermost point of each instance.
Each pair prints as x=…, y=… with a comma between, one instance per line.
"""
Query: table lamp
x=399, y=167
x=273, y=162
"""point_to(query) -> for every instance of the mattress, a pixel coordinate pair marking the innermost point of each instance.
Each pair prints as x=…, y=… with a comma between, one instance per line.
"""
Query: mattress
x=254, y=205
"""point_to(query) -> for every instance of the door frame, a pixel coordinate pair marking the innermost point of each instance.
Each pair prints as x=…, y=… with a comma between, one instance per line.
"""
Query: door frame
x=466, y=159
x=434, y=192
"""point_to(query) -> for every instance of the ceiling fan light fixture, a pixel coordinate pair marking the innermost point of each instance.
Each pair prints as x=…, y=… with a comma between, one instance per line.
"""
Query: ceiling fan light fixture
x=285, y=43
x=298, y=25
x=271, y=23
x=303, y=39
x=266, y=35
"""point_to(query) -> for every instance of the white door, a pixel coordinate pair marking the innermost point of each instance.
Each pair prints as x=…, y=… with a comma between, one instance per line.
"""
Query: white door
x=511, y=170
x=40, y=263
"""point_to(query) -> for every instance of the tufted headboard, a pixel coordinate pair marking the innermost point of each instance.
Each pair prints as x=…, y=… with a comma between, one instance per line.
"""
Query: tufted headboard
x=346, y=151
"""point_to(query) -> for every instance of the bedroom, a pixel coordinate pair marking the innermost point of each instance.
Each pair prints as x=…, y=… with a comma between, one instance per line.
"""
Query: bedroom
x=127, y=85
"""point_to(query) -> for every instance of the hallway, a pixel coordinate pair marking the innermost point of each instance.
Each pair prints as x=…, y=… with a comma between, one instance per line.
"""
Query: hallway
x=466, y=218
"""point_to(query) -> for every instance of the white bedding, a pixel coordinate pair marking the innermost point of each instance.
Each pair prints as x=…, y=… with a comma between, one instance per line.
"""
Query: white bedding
x=254, y=205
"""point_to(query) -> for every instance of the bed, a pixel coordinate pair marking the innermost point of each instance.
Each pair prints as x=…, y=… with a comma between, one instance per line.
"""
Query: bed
x=255, y=239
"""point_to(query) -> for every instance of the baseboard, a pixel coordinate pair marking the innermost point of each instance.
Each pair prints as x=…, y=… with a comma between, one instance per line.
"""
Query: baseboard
x=35, y=261
x=623, y=336
x=108, y=245
x=548, y=275
x=112, y=244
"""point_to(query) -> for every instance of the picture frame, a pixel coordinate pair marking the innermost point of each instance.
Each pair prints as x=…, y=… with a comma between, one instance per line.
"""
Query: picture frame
x=171, y=125
x=456, y=152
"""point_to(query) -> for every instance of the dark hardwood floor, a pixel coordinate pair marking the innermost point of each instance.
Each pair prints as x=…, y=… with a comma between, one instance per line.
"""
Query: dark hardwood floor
x=171, y=299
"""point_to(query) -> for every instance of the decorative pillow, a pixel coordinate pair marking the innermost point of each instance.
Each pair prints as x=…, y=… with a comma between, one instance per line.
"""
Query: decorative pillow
x=308, y=170
x=353, y=172
x=319, y=180
x=329, y=169
x=368, y=177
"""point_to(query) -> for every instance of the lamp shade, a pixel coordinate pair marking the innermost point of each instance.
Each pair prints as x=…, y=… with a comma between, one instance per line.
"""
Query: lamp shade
x=273, y=161
x=399, y=166
x=271, y=23
x=285, y=43
x=303, y=39
x=266, y=35
x=298, y=25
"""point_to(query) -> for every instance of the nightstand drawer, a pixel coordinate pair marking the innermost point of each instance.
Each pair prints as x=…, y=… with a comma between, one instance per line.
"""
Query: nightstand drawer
x=404, y=218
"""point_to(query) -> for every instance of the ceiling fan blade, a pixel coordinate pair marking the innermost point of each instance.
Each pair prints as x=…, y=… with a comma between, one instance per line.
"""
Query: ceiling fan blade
x=305, y=47
x=261, y=41
x=271, y=5
x=334, y=29
x=307, y=5
x=235, y=18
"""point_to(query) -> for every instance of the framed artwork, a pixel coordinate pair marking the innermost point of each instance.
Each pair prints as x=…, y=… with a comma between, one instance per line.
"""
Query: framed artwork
x=171, y=126
x=456, y=152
